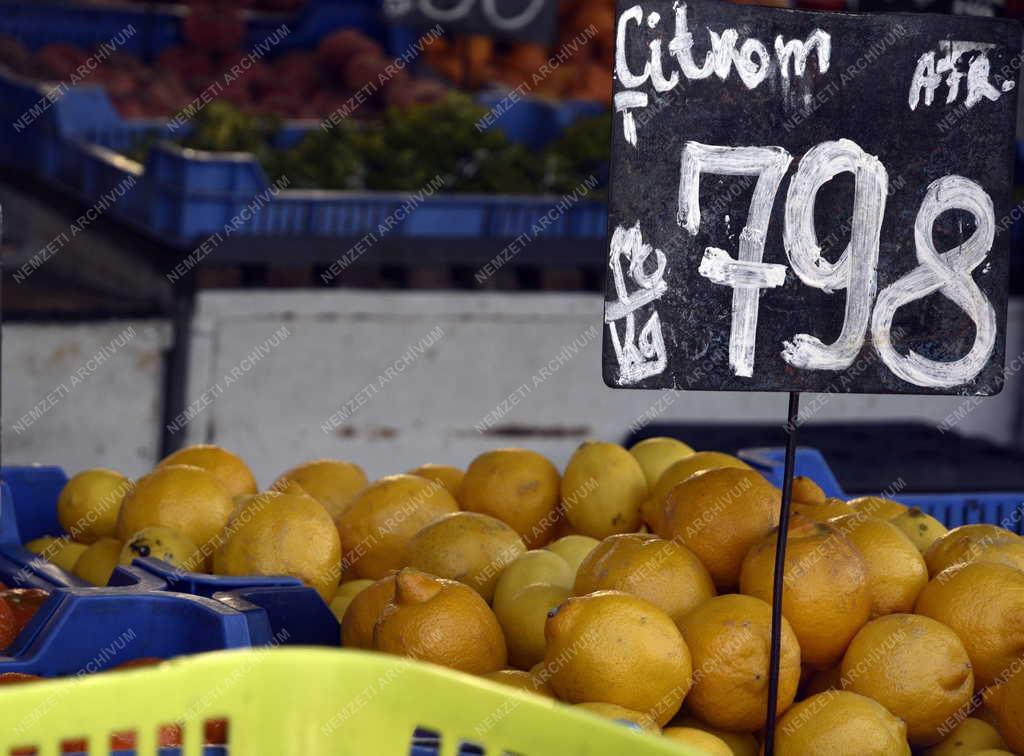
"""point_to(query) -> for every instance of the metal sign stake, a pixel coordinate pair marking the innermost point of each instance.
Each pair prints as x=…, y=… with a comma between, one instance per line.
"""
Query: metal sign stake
x=780, y=571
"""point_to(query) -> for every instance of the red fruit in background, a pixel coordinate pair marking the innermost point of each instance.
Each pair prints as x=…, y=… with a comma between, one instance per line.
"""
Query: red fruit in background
x=372, y=72
x=15, y=56
x=164, y=95
x=284, y=104
x=326, y=102
x=58, y=60
x=16, y=678
x=130, y=108
x=117, y=82
x=338, y=48
x=214, y=28
x=125, y=62
x=402, y=94
x=257, y=77
x=280, y=6
x=298, y=71
x=24, y=602
x=595, y=83
x=8, y=626
x=185, y=62
x=238, y=96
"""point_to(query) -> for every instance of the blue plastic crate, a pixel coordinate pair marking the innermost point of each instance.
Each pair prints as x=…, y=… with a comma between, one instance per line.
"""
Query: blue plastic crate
x=39, y=22
x=278, y=608
x=998, y=508
x=182, y=196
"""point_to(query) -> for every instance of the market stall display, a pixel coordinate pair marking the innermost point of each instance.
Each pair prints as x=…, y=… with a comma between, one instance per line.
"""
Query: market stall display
x=658, y=597
x=512, y=595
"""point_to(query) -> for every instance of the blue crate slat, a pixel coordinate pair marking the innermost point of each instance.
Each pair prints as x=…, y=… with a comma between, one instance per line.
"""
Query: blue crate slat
x=93, y=629
x=33, y=483
x=1005, y=508
x=22, y=569
x=201, y=584
x=294, y=615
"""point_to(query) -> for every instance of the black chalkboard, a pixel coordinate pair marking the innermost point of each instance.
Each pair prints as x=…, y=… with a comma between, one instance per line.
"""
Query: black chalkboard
x=764, y=195
x=524, y=20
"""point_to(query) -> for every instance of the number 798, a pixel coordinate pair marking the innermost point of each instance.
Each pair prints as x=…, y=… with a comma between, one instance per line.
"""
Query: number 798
x=856, y=268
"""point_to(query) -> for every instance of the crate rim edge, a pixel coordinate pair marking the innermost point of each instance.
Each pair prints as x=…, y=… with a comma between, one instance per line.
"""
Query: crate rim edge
x=320, y=665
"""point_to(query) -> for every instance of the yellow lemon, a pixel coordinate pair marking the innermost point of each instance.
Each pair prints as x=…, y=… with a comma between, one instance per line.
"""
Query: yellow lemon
x=730, y=637
x=840, y=724
x=896, y=570
x=573, y=549
x=442, y=622
x=719, y=515
x=602, y=490
x=807, y=491
x=62, y=552
x=662, y=572
x=380, y=521
x=877, y=506
x=345, y=594
x=162, y=543
x=538, y=567
x=98, y=561
x=656, y=455
x=617, y=648
x=740, y=743
x=361, y=616
x=518, y=487
x=966, y=739
x=983, y=603
x=522, y=620
x=1010, y=710
x=444, y=475
x=89, y=503
x=706, y=743
x=332, y=482
x=282, y=534
x=186, y=499
x=654, y=504
x=922, y=529
x=916, y=668
x=975, y=543
x=229, y=468
x=827, y=596
x=827, y=510
x=465, y=546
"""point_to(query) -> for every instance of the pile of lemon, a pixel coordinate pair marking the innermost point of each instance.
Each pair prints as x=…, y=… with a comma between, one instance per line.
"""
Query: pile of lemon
x=635, y=584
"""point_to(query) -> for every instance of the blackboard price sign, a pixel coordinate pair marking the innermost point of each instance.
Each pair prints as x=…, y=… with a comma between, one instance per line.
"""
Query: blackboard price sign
x=809, y=201
x=526, y=20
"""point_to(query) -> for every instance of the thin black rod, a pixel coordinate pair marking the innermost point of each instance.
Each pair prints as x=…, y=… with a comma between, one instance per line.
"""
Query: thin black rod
x=176, y=364
x=780, y=570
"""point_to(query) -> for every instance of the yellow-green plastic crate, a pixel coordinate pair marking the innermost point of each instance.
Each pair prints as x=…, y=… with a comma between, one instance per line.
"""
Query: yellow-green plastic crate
x=306, y=702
